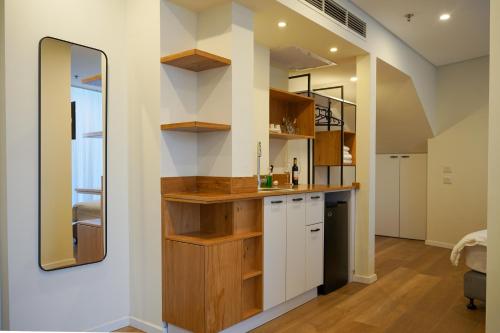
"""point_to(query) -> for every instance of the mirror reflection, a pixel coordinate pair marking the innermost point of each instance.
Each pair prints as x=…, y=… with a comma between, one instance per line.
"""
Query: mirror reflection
x=72, y=154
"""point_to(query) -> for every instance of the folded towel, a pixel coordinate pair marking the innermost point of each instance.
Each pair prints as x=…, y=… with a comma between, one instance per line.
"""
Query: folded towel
x=347, y=155
x=347, y=161
x=472, y=239
x=346, y=149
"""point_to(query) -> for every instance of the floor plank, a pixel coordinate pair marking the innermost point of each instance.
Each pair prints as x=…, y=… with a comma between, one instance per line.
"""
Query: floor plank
x=418, y=291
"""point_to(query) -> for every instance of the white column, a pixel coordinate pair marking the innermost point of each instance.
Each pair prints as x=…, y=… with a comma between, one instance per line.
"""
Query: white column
x=365, y=173
x=493, y=288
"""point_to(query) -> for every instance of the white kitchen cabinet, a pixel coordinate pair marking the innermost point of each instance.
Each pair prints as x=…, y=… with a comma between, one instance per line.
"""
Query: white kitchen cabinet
x=295, y=246
x=274, y=251
x=315, y=208
x=401, y=196
x=314, y=255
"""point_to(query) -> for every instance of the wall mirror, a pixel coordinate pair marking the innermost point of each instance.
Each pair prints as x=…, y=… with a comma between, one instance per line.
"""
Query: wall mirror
x=72, y=154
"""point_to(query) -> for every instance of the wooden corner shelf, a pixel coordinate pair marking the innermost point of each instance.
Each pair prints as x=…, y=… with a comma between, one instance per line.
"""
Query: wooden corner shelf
x=287, y=136
x=94, y=80
x=195, y=127
x=296, y=107
x=195, y=60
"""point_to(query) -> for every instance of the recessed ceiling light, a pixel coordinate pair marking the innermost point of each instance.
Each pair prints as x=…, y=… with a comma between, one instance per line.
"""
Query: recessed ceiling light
x=281, y=24
x=444, y=17
x=333, y=49
x=354, y=79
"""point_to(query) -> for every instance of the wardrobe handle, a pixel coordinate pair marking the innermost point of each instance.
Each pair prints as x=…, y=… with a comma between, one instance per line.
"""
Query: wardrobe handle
x=315, y=230
x=277, y=202
x=394, y=156
x=405, y=156
x=297, y=199
x=316, y=197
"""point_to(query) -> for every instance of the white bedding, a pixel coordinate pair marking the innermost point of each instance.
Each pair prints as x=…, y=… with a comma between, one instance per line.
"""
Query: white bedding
x=475, y=258
x=474, y=239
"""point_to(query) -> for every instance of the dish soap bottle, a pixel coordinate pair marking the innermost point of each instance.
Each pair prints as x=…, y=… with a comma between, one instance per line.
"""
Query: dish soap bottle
x=295, y=172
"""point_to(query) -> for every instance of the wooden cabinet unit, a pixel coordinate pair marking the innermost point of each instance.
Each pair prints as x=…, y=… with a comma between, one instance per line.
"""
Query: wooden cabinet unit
x=283, y=103
x=328, y=148
x=212, y=275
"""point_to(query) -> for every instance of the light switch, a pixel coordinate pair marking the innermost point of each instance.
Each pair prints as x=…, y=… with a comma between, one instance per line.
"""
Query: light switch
x=447, y=169
x=447, y=180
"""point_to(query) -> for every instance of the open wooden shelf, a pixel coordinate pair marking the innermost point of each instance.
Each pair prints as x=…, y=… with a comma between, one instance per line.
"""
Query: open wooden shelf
x=286, y=136
x=252, y=274
x=205, y=239
x=94, y=80
x=251, y=312
x=195, y=127
x=195, y=60
x=286, y=104
x=327, y=148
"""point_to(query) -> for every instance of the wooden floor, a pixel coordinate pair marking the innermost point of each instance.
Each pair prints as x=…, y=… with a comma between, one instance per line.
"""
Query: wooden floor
x=418, y=290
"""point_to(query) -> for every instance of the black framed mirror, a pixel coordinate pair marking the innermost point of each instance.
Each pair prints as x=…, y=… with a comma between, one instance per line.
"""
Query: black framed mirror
x=72, y=170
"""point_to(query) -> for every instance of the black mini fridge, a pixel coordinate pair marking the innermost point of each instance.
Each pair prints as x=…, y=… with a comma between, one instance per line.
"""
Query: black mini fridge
x=336, y=248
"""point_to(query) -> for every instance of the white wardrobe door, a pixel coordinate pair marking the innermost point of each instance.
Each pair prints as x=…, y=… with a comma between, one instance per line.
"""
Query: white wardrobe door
x=413, y=196
x=387, y=196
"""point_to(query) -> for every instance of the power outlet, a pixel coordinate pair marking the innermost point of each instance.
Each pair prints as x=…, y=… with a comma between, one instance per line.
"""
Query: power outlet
x=447, y=169
x=447, y=180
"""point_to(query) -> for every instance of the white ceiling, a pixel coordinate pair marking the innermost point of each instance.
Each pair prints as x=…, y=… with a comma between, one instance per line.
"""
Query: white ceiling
x=464, y=36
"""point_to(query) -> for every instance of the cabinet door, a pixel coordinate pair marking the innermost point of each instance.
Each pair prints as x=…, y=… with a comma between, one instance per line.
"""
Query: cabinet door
x=274, y=251
x=223, y=285
x=315, y=208
x=413, y=196
x=387, y=196
x=295, y=246
x=314, y=246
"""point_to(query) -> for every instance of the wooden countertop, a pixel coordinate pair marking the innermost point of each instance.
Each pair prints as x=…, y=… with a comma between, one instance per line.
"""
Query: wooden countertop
x=214, y=197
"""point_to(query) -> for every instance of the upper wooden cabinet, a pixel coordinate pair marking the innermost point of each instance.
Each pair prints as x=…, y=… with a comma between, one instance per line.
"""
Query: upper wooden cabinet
x=283, y=103
x=195, y=60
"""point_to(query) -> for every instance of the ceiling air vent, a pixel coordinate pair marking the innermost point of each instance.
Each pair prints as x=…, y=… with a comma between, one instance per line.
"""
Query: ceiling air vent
x=340, y=14
x=316, y=3
x=356, y=24
x=336, y=11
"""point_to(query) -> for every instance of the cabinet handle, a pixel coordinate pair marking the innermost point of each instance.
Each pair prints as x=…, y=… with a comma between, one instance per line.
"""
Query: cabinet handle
x=315, y=230
x=394, y=156
x=316, y=197
x=405, y=156
x=277, y=202
x=297, y=199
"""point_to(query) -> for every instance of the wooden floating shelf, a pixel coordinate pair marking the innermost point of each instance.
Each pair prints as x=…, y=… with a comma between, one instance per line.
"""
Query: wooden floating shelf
x=287, y=96
x=198, y=238
x=196, y=127
x=252, y=274
x=286, y=136
x=94, y=80
x=195, y=60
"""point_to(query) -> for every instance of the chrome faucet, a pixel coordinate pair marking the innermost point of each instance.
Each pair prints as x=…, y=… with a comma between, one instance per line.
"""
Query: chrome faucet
x=259, y=155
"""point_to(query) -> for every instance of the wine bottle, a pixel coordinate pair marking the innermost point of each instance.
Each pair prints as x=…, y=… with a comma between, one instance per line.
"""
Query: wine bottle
x=295, y=172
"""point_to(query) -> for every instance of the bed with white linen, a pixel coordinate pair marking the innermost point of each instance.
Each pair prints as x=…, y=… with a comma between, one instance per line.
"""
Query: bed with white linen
x=474, y=246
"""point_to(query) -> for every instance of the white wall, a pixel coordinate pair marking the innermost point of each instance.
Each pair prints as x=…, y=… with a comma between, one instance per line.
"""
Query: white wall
x=144, y=141
x=492, y=288
x=78, y=298
x=462, y=89
x=3, y=199
x=462, y=145
x=457, y=209
x=261, y=102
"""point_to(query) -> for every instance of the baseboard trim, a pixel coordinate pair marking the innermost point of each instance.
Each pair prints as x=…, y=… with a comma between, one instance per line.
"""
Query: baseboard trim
x=145, y=326
x=365, y=279
x=111, y=325
x=439, y=244
x=263, y=317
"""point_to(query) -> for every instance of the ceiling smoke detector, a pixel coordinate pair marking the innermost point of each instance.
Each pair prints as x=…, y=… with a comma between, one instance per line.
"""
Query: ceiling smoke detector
x=409, y=16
